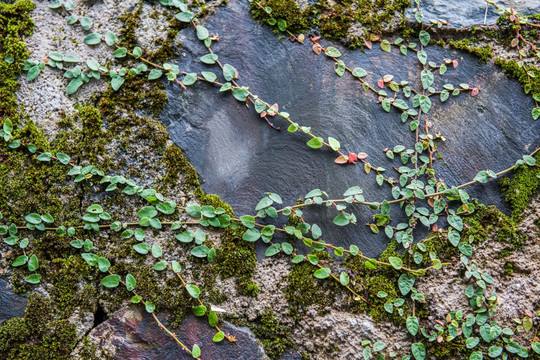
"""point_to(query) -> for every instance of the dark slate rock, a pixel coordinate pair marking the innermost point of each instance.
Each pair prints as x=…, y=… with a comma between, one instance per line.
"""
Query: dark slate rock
x=11, y=304
x=239, y=157
x=461, y=13
x=136, y=336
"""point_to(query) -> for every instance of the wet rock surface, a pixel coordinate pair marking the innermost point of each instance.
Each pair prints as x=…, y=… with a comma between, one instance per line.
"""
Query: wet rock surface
x=239, y=157
x=468, y=13
x=11, y=304
x=133, y=334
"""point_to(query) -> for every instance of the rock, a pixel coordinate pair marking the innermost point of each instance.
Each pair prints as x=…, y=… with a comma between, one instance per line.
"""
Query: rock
x=133, y=334
x=11, y=304
x=239, y=157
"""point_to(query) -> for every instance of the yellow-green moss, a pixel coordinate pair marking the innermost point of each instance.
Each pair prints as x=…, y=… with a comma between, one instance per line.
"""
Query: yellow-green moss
x=297, y=20
x=275, y=337
x=39, y=335
x=513, y=70
x=521, y=186
x=483, y=53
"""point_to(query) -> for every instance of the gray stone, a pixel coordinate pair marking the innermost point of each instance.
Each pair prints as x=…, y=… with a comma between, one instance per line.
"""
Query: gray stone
x=11, y=304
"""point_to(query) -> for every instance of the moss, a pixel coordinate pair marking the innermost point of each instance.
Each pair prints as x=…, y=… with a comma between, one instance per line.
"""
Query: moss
x=15, y=25
x=519, y=188
x=508, y=268
x=483, y=53
x=130, y=21
x=41, y=334
x=275, y=337
x=514, y=70
x=297, y=20
x=303, y=290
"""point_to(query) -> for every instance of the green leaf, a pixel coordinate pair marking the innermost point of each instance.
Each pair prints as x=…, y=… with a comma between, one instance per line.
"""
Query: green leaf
x=396, y=262
x=272, y=250
x=359, y=72
x=209, y=59
x=149, y=306
x=229, y=72
x=418, y=351
x=344, y=278
x=472, y=342
x=103, y=264
x=44, y=157
x=202, y=32
x=412, y=325
x=322, y=273
x=200, y=251
x=160, y=266
x=251, y=235
x=33, y=279
x=110, y=38
x=196, y=351
x=155, y=74
x=33, y=218
x=248, y=221
x=212, y=318
x=33, y=73
x=209, y=76
x=334, y=144
x=157, y=252
x=456, y=222
x=332, y=52
x=422, y=57
x=193, y=291
x=454, y=237
x=218, y=337
x=494, y=351
x=199, y=310
x=476, y=355
x=427, y=78
x=535, y=346
x=536, y=113
x=20, y=261
x=167, y=207
x=116, y=82
x=142, y=248
x=341, y=220
x=405, y=283
x=74, y=85
x=386, y=46
x=424, y=37
x=190, y=79
x=120, y=52
x=315, y=143
x=130, y=282
x=33, y=263
x=185, y=16
x=137, y=52
x=240, y=94
x=111, y=281
x=86, y=23
x=147, y=211
x=92, y=39
x=425, y=103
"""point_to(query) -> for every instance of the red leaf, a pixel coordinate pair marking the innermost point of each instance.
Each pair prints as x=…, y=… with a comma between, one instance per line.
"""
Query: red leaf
x=454, y=63
x=380, y=83
x=368, y=44
x=512, y=17
x=435, y=228
x=275, y=107
x=352, y=158
x=317, y=49
x=474, y=92
x=315, y=39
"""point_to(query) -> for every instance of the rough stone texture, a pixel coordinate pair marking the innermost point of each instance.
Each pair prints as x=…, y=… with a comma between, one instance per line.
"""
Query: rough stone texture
x=133, y=334
x=240, y=158
x=470, y=12
x=346, y=331
x=53, y=34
